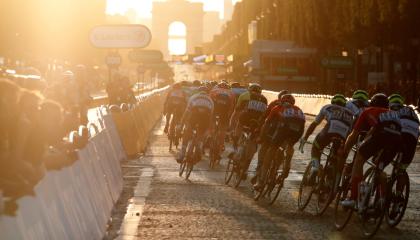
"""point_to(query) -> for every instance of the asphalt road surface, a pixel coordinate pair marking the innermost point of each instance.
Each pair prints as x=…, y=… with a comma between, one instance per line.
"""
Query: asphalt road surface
x=158, y=204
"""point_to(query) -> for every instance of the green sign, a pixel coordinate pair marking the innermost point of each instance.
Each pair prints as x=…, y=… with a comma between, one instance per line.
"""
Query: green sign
x=287, y=70
x=337, y=62
x=145, y=56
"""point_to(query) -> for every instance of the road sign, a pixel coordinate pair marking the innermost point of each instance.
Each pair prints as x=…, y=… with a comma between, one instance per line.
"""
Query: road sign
x=120, y=36
x=113, y=60
x=337, y=62
x=145, y=56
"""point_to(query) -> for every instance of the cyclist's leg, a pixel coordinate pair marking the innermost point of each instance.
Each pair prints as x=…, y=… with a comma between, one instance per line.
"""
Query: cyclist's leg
x=408, y=152
x=370, y=146
x=223, y=127
x=186, y=137
x=203, y=131
x=320, y=142
x=287, y=162
x=168, y=120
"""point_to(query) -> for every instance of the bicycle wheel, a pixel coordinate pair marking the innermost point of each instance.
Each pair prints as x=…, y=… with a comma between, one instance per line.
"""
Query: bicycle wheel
x=325, y=188
x=264, y=187
x=213, y=154
x=229, y=171
x=277, y=184
x=306, y=188
x=190, y=167
x=397, y=202
x=182, y=167
x=189, y=160
x=342, y=215
x=375, y=204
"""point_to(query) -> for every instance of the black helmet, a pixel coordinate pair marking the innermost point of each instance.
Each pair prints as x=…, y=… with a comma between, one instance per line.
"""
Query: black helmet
x=196, y=83
x=281, y=93
x=379, y=100
x=288, y=99
x=255, y=87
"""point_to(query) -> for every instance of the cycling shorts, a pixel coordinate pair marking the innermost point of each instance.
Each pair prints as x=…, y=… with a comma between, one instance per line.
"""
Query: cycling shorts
x=324, y=138
x=200, y=119
x=381, y=140
x=408, y=149
x=279, y=132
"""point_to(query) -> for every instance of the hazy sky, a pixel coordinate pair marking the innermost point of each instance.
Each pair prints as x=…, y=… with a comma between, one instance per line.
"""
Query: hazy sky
x=144, y=7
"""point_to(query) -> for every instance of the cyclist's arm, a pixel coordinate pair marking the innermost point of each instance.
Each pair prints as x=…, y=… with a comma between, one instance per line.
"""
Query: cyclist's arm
x=350, y=142
x=314, y=124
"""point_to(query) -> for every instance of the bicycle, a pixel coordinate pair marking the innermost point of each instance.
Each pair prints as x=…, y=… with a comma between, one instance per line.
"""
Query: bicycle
x=237, y=166
x=397, y=201
x=325, y=184
x=371, y=204
x=274, y=179
x=193, y=156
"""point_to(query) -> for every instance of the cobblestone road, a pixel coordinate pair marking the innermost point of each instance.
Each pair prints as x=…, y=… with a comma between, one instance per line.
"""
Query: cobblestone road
x=157, y=204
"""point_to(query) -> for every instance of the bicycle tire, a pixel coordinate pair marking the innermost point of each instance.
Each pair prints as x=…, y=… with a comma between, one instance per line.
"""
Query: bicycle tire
x=278, y=181
x=182, y=167
x=302, y=202
x=371, y=176
x=269, y=156
x=343, y=193
x=229, y=171
x=324, y=174
x=393, y=222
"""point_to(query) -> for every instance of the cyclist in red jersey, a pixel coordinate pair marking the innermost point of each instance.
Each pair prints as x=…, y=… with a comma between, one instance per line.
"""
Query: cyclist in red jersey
x=274, y=104
x=284, y=124
x=224, y=100
x=384, y=132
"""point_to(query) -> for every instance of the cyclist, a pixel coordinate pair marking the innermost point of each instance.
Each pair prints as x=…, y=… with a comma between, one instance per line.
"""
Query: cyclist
x=339, y=121
x=284, y=124
x=274, y=103
x=175, y=104
x=359, y=101
x=197, y=115
x=224, y=100
x=264, y=147
x=250, y=107
x=383, y=127
x=237, y=89
x=409, y=133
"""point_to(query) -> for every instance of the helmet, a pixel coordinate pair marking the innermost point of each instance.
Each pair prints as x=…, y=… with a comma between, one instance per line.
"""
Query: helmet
x=203, y=89
x=235, y=85
x=360, y=95
x=379, y=100
x=68, y=75
x=339, y=99
x=255, y=87
x=282, y=92
x=177, y=85
x=396, y=101
x=288, y=98
x=223, y=85
x=196, y=83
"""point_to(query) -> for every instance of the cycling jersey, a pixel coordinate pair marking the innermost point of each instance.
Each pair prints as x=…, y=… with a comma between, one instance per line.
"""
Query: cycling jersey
x=339, y=119
x=200, y=102
x=385, y=134
x=176, y=97
x=409, y=121
x=238, y=91
x=285, y=124
x=223, y=100
x=252, y=107
x=356, y=106
x=379, y=118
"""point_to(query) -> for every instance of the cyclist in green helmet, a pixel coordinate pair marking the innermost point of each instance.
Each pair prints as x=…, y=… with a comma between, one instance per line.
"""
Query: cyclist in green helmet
x=359, y=101
x=339, y=121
